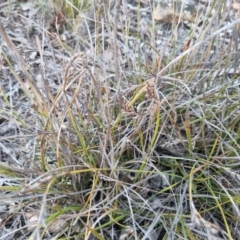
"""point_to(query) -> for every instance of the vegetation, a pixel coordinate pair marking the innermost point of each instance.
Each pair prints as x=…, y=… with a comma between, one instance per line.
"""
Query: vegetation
x=115, y=145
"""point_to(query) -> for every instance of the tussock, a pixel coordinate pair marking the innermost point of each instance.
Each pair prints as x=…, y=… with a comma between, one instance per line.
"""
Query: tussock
x=117, y=123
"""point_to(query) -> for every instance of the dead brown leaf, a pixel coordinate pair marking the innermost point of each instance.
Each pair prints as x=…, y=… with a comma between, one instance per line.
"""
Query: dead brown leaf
x=169, y=14
x=163, y=14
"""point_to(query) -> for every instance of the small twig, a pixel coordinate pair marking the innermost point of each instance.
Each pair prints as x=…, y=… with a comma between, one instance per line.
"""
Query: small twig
x=117, y=74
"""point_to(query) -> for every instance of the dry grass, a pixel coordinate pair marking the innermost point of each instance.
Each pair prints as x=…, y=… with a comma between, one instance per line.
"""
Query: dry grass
x=122, y=148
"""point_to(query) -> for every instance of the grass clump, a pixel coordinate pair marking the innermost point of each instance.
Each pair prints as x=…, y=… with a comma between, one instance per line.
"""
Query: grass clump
x=107, y=150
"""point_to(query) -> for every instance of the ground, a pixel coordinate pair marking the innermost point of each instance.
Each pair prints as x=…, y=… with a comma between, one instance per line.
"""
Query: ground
x=119, y=119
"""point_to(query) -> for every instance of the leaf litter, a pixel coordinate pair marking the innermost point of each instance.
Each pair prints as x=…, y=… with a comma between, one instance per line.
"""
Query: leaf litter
x=37, y=87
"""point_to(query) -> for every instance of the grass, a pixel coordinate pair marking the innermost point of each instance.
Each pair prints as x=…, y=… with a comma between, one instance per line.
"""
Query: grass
x=135, y=148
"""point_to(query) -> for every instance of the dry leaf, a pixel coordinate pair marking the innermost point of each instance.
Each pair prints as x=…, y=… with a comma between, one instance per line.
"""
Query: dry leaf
x=57, y=225
x=144, y=2
x=32, y=222
x=108, y=55
x=236, y=6
x=163, y=14
x=166, y=13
